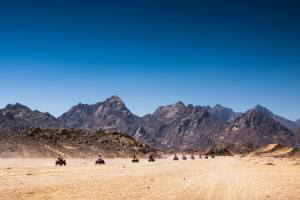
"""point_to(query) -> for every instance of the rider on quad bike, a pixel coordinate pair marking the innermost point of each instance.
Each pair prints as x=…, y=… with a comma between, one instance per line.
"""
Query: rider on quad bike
x=151, y=159
x=192, y=157
x=135, y=159
x=60, y=160
x=175, y=157
x=99, y=160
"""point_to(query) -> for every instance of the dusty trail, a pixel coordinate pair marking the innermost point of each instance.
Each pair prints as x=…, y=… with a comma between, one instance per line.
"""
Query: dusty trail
x=219, y=178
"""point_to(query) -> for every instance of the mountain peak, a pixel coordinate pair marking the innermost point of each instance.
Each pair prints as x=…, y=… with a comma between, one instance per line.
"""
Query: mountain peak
x=16, y=106
x=258, y=106
x=115, y=98
x=263, y=110
x=254, y=112
x=178, y=104
x=218, y=106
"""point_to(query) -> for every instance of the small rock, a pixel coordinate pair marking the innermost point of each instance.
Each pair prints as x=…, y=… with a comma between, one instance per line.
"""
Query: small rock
x=8, y=168
x=270, y=164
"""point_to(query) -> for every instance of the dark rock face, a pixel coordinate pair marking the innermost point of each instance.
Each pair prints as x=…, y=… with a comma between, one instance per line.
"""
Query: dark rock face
x=226, y=114
x=9, y=123
x=255, y=127
x=285, y=122
x=297, y=134
x=111, y=115
x=184, y=127
x=22, y=117
x=298, y=122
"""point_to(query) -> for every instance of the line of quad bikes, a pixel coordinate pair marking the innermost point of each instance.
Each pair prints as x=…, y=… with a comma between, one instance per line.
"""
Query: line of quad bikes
x=134, y=160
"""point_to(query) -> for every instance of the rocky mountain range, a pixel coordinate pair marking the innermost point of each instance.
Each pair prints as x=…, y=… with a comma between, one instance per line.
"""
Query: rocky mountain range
x=176, y=125
x=228, y=115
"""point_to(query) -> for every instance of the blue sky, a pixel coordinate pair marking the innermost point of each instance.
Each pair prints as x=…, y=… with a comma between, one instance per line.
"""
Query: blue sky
x=55, y=54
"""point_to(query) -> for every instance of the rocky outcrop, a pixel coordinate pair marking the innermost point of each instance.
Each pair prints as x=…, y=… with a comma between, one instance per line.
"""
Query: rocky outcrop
x=227, y=149
x=76, y=143
x=226, y=114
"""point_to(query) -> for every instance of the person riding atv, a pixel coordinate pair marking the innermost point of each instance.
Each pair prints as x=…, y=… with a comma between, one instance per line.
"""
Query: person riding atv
x=175, y=157
x=135, y=159
x=184, y=157
x=99, y=160
x=60, y=161
x=192, y=157
x=151, y=159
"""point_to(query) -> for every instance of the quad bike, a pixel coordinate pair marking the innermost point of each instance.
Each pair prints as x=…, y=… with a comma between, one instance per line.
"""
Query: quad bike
x=184, y=157
x=192, y=157
x=135, y=160
x=151, y=160
x=99, y=161
x=212, y=156
x=206, y=156
x=60, y=162
x=175, y=158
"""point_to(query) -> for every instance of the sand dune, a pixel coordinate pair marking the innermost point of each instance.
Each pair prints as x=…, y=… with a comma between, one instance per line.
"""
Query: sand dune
x=271, y=150
x=219, y=178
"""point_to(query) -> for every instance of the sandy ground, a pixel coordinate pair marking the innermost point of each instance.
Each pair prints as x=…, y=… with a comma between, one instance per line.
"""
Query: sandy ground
x=219, y=178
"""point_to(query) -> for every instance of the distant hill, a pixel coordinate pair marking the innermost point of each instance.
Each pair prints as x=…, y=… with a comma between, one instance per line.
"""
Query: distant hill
x=271, y=150
x=19, y=117
x=76, y=143
x=285, y=122
x=257, y=128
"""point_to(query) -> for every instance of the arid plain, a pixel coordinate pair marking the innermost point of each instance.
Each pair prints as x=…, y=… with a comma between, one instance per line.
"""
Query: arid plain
x=220, y=178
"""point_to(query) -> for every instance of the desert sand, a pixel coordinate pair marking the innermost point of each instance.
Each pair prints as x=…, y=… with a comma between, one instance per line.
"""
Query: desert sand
x=219, y=178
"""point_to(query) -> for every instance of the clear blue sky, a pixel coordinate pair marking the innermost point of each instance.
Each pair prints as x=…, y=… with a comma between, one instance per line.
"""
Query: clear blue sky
x=55, y=54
